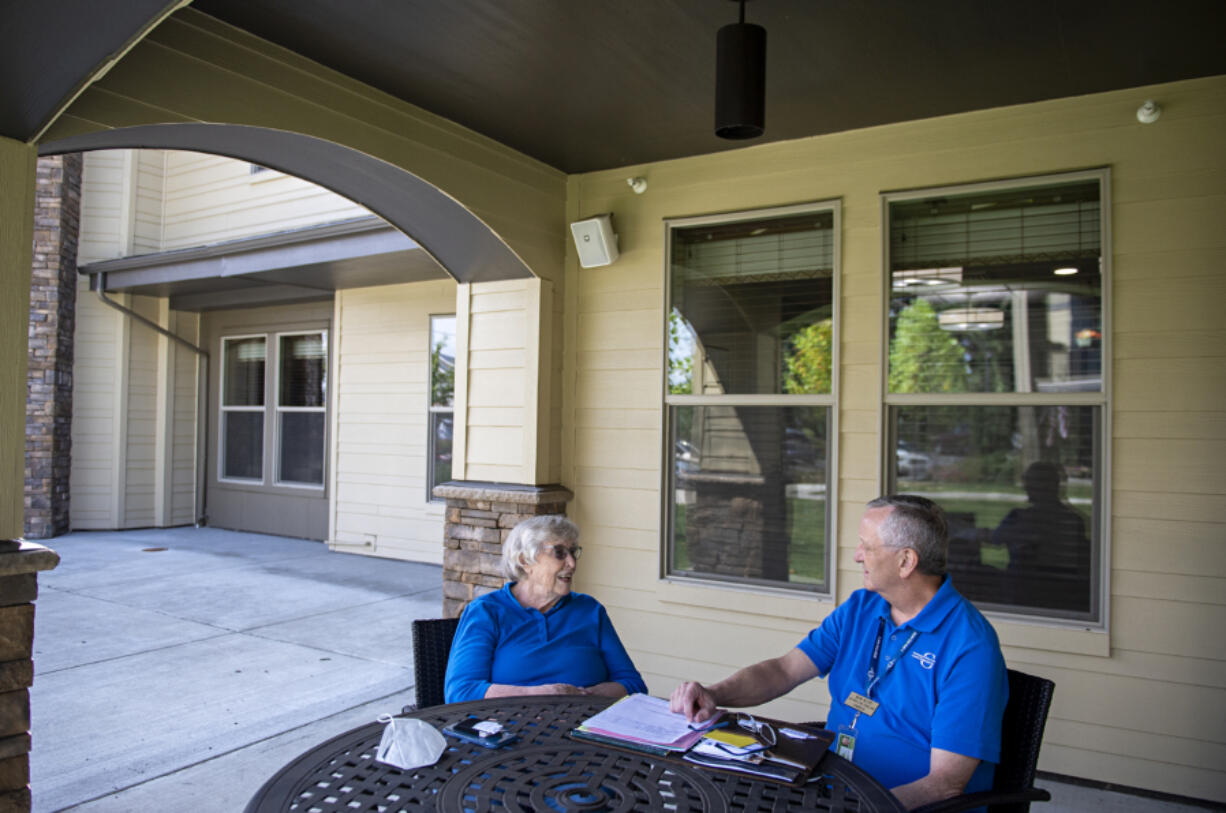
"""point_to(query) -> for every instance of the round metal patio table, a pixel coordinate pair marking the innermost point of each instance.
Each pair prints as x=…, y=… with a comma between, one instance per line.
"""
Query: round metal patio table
x=544, y=770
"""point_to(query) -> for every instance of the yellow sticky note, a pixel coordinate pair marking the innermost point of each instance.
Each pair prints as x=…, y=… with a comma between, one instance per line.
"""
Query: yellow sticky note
x=730, y=738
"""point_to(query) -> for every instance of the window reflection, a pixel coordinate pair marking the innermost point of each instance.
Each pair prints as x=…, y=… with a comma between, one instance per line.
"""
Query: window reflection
x=1019, y=489
x=997, y=292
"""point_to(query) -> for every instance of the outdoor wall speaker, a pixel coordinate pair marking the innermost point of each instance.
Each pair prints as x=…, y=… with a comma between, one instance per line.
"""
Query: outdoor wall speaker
x=595, y=241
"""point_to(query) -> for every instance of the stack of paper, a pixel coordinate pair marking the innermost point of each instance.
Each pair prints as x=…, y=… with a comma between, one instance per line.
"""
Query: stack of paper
x=643, y=723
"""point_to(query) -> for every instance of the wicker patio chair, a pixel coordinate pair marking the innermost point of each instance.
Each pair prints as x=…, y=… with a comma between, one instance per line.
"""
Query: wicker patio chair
x=1021, y=735
x=431, y=647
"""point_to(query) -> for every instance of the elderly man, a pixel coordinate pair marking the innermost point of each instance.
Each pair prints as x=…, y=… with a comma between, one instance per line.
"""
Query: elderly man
x=917, y=681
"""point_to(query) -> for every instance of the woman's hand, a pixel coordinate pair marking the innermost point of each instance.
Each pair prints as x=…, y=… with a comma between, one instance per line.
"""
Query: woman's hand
x=559, y=688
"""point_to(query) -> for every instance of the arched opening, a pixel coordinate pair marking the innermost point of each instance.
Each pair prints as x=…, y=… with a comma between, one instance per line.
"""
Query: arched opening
x=465, y=246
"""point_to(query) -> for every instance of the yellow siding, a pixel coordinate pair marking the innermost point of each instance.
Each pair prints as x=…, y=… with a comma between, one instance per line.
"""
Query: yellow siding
x=17, y=172
x=383, y=369
x=211, y=199
x=1141, y=704
x=509, y=428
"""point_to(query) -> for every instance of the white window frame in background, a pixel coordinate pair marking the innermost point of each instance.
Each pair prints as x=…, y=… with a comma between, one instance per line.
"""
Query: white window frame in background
x=432, y=410
x=280, y=410
x=223, y=409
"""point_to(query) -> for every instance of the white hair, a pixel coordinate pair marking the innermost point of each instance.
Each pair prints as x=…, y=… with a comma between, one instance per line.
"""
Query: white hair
x=525, y=541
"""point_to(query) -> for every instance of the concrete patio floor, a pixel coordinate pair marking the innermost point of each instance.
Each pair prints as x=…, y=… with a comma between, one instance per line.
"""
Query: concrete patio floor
x=181, y=679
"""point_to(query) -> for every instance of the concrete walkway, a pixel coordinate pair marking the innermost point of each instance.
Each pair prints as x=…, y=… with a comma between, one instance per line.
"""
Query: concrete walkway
x=180, y=679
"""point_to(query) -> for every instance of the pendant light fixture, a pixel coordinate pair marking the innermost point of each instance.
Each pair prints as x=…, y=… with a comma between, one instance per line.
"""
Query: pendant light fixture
x=740, y=79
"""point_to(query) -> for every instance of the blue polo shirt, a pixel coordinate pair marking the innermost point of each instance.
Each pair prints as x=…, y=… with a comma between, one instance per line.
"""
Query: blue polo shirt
x=499, y=640
x=948, y=690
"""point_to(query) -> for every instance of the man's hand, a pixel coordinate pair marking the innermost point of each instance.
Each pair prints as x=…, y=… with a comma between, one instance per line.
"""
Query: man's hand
x=693, y=700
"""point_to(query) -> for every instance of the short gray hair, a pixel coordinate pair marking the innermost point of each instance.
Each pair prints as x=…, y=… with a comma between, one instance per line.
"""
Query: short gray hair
x=525, y=541
x=917, y=523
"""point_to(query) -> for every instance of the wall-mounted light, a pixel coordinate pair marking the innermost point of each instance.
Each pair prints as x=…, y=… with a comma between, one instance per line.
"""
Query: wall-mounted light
x=1149, y=112
x=638, y=184
x=1066, y=271
x=740, y=79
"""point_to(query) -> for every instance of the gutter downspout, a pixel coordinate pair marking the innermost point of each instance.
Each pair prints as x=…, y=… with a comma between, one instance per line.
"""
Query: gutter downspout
x=97, y=284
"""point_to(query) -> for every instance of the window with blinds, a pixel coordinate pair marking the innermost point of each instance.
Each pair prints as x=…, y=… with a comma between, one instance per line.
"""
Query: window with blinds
x=996, y=401
x=749, y=396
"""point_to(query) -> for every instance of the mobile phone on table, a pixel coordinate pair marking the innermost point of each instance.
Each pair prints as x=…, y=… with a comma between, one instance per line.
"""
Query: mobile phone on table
x=481, y=731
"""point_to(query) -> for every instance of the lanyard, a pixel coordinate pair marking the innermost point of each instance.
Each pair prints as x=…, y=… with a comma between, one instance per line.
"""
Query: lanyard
x=873, y=678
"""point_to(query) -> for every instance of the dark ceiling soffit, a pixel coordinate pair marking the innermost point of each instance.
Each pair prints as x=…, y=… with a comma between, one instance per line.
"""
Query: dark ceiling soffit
x=51, y=49
x=466, y=247
x=333, y=243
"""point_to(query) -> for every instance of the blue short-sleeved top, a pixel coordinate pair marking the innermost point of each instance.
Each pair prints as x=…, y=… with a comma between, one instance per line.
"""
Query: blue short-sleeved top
x=498, y=640
x=948, y=691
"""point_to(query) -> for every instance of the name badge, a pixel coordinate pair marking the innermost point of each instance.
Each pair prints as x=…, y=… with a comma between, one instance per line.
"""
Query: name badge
x=861, y=703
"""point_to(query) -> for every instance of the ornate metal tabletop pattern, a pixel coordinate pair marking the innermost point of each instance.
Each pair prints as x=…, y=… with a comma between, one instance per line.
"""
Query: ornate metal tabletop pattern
x=543, y=771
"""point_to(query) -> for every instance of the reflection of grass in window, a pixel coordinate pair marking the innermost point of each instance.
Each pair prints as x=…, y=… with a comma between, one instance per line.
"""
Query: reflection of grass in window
x=806, y=529
x=681, y=554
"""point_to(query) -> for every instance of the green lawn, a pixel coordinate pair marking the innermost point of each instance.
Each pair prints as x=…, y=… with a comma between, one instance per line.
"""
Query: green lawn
x=806, y=529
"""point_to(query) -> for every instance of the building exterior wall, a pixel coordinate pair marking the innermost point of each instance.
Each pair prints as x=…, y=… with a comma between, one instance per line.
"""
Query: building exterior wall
x=17, y=174
x=212, y=199
x=504, y=394
x=53, y=293
x=382, y=352
x=1137, y=703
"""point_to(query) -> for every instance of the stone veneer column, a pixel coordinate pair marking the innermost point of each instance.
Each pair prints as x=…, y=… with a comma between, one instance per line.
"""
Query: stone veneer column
x=53, y=298
x=479, y=517
x=20, y=562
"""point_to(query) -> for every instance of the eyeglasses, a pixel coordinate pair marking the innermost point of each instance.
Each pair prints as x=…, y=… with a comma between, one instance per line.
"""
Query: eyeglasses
x=560, y=552
x=763, y=731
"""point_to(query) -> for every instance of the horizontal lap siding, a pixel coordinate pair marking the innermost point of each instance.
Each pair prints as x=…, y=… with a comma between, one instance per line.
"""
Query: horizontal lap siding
x=383, y=369
x=211, y=199
x=96, y=349
x=1140, y=705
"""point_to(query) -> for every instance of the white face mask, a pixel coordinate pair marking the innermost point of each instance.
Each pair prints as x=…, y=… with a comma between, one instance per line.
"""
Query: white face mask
x=409, y=743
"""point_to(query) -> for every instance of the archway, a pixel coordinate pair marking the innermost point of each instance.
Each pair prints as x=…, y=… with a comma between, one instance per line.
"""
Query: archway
x=465, y=246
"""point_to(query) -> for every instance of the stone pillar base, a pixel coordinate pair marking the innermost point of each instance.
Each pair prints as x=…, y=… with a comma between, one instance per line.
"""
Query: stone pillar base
x=479, y=517
x=20, y=562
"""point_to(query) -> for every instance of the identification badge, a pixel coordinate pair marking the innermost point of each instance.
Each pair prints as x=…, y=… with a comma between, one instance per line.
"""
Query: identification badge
x=845, y=742
x=861, y=703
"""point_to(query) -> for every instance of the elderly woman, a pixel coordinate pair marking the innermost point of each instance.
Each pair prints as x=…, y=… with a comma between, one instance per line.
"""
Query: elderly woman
x=534, y=636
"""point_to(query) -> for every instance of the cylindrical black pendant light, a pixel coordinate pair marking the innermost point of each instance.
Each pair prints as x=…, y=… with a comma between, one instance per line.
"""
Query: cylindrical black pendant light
x=740, y=80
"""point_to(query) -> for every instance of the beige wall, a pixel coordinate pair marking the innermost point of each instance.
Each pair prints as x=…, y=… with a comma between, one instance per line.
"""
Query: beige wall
x=505, y=334
x=382, y=358
x=134, y=418
x=211, y=199
x=17, y=168
x=1141, y=703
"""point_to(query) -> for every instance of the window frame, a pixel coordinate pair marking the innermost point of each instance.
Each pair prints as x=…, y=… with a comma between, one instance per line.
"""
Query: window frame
x=887, y=472
x=828, y=401
x=278, y=410
x=432, y=409
x=222, y=409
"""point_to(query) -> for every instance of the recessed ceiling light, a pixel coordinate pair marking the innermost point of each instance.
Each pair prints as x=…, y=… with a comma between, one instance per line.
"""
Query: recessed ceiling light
x=1067, y=271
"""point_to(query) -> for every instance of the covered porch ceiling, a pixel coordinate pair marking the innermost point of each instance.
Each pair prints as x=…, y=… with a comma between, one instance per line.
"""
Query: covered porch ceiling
x=584, y=85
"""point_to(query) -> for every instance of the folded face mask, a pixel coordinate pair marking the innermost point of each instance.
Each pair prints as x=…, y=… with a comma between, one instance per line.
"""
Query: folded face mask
x=409, y=743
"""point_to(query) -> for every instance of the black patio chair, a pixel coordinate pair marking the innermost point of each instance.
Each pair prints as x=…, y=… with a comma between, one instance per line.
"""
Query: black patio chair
x=1021, y=735
x=431, y=647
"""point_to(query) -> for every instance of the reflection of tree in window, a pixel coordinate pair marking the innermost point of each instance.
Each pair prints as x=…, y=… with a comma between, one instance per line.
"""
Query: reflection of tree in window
x=749, y=317
x=996, y=296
